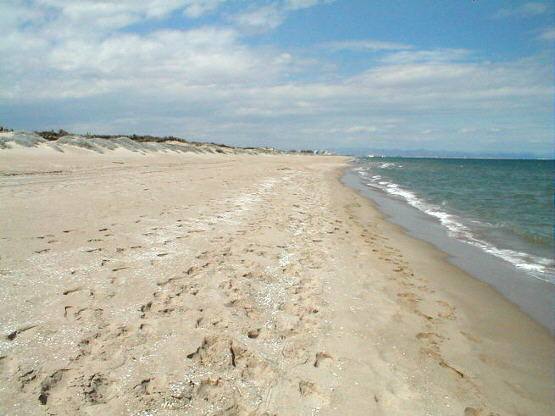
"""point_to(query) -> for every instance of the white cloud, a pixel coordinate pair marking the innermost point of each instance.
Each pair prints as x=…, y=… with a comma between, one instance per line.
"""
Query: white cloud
x=304, y=4
x=57, y=19
x=159, y=62
x=257, y=19
x=361, y=129
x=436, y=55
x=368, y=45
x=529, y=9
x=198, y=8
x=481, y=130
x=547, y=34
x=106, y=13
x=260, y=19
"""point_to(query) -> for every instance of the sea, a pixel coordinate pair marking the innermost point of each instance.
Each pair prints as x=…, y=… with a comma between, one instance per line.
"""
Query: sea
x=494, y=217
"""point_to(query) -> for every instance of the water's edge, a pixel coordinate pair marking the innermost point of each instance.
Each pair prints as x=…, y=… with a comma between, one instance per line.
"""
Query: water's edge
x=534, y=296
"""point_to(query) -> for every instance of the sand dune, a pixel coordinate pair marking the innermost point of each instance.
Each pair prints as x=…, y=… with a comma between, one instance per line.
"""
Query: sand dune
x=165, y=283
x=21, y=139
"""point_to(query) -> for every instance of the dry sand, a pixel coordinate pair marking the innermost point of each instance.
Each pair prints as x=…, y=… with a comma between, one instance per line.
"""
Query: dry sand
x=193, y=284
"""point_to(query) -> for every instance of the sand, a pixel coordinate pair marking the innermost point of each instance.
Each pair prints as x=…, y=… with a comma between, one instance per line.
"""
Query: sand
x=224, y=284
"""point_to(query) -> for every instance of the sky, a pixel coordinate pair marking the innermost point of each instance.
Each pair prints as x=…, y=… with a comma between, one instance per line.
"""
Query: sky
x=453, y=75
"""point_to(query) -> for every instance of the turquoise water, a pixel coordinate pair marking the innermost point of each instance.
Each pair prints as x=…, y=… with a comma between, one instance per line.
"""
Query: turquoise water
x=505, y=207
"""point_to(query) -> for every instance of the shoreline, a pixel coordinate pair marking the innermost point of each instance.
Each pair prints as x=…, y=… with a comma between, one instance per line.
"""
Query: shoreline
x=241, y=284
x=531, y=294
x=484, y=312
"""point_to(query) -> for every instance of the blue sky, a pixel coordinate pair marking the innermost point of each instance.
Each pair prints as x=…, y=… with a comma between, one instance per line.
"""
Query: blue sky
x=471, y=76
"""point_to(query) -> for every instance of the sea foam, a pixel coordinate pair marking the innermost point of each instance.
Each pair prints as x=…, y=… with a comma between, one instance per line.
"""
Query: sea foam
x=538, y=267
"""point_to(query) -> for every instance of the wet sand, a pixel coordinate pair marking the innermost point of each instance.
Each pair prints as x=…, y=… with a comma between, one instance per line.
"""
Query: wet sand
x=534, y=296
x=177, y=284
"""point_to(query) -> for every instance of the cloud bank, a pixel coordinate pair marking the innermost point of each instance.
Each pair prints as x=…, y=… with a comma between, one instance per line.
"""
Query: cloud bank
x=92, y=66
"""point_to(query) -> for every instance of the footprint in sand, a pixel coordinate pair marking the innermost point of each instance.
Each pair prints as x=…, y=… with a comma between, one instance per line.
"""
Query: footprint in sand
x=320, y=357
x=448, y=313
x=69, y=291
x=431, y=339
x=48, y=384
x=97, y=388
x=254, y=333
x=93, y=250
x=13, y=335
x=67, y=309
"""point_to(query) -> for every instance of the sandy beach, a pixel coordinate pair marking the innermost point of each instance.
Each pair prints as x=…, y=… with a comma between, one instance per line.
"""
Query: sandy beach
x=229, y=284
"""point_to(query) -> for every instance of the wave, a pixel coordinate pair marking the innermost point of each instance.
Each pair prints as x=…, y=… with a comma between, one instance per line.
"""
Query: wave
x=538, y=267
x=389, y=165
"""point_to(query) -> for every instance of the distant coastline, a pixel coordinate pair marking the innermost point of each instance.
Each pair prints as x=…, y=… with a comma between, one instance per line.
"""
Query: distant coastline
x=435, y=154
